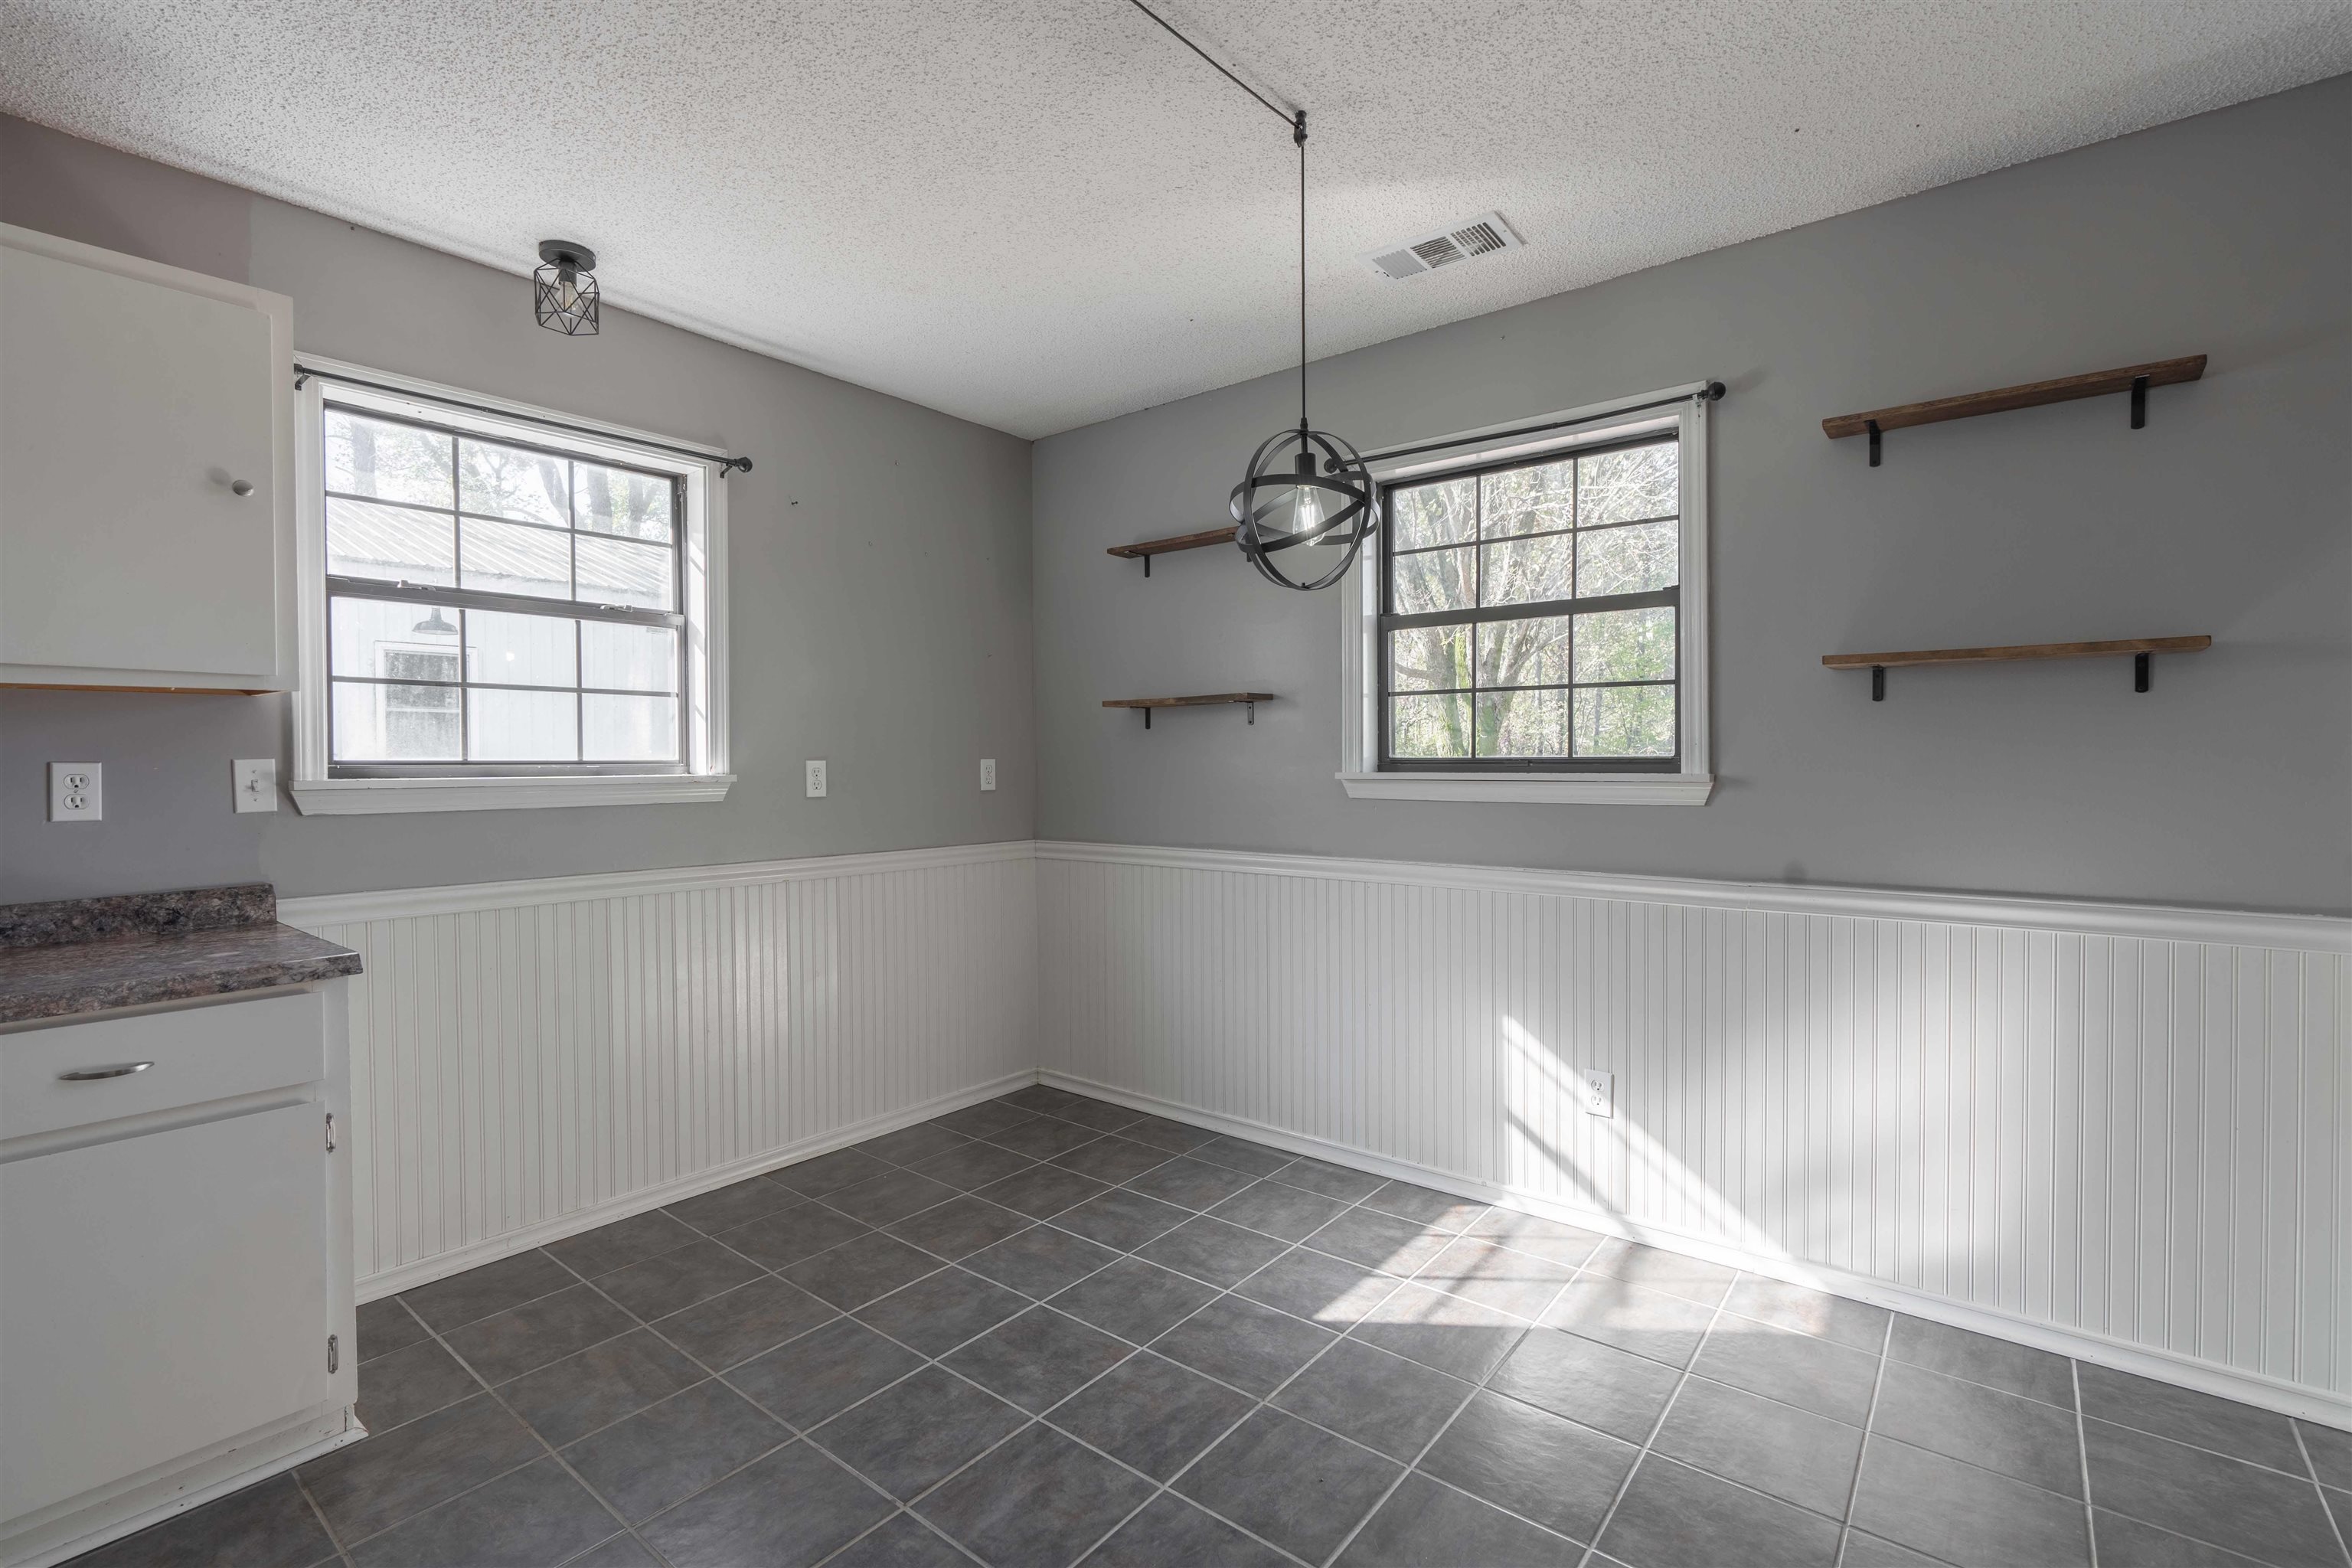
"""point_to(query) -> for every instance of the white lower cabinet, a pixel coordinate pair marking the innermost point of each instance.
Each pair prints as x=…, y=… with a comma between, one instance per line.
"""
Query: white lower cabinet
x=175, y=1291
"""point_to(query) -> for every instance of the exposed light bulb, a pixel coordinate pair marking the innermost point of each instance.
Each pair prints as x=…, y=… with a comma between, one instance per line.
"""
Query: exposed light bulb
x=1307, y=513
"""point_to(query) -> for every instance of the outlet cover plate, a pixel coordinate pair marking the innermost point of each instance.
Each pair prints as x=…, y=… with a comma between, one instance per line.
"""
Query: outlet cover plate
x=1600, y=1091
x=815, y=780
x=987, y=772
x=77, y=792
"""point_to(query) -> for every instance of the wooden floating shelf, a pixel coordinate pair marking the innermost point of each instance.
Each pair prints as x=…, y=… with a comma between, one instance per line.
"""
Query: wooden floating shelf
x=2138, y=649
x=2134, y=379
x=1149, y=548
x=1218, y=698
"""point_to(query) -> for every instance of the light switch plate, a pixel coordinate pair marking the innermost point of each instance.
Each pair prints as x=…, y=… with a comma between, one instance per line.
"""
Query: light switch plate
x=987, y=772
x=256, y=779
x=77, y=792
x=816, y=781
x=1600, y=1091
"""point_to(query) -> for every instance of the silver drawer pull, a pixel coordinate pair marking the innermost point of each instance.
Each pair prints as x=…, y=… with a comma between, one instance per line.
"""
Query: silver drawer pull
x=120, y=1069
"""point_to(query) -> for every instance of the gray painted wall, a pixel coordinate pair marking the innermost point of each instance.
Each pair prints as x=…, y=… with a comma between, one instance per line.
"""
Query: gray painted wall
x=2228, y=785
x=880, y=600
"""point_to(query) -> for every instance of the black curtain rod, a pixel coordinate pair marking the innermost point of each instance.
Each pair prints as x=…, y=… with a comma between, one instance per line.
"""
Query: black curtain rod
x=727, y=464
x=1712, y=393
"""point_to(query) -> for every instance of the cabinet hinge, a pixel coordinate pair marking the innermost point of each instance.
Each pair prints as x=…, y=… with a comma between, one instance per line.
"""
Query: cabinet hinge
x=331, y=1132
x=334, y=1354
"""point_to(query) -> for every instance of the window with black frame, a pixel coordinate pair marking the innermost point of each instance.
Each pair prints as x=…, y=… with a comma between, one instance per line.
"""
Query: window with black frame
x=1529, y=612
x=495, y=607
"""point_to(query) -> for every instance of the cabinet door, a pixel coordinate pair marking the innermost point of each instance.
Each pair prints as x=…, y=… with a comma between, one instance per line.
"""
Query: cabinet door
x=129, y=410
x=159, y=1293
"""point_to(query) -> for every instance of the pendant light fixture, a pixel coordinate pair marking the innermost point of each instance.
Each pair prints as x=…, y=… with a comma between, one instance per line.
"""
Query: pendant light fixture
x=563, y=289
x=1303, y=486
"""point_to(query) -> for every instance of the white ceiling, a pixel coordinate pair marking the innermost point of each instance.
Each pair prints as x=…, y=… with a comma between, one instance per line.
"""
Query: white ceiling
x=1037, y=214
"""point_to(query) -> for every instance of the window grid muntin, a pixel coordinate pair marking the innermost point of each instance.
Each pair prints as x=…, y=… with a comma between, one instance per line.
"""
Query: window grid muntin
x=463, y=599
x=1389, y=621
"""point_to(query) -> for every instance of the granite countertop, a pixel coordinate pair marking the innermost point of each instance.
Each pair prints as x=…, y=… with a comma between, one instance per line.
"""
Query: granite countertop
x=84, y=955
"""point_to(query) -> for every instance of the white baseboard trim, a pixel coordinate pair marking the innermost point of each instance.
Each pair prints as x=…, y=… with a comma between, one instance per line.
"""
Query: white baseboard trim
x=440, y=1265
x=2188, y=1372
x=242, y=1463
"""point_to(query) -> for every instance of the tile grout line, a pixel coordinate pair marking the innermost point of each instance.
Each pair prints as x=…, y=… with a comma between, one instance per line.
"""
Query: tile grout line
x=1869, y=1420
x=2083, y=1459
x=552, y=1451
x=2325, y=1512
x=1593, y=1549
x=1288, y=1244
x=1223, y=1292
x=953, y=1545
x=806, y=1433
x=1412, y=1466
x=1258, y=1402
x=1398, y=1283
x=1160, y=1487
x=1346, y=1206
x=319, y=1513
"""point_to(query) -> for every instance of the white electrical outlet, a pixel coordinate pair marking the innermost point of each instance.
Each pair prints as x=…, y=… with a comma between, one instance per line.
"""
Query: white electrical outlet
x=77, y=792
x=988, y=773
x=816, y=781
x=256, y=780
x=1600, y=1091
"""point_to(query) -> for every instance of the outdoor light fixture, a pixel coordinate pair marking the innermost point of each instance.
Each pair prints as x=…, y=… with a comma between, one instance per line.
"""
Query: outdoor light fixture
x=433, y=626
x=564, y=290
x=1304, y=486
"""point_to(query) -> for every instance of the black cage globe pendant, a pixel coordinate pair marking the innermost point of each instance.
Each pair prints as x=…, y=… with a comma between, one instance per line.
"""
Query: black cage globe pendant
x=1304, y=487
x=564, y=290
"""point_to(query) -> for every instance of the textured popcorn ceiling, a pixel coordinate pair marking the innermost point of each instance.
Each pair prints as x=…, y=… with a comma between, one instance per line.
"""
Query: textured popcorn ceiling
x=1040, y=213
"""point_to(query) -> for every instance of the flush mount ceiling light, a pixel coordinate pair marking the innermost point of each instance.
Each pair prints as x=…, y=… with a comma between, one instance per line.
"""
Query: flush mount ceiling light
x=564, y=290
x=1304, y=486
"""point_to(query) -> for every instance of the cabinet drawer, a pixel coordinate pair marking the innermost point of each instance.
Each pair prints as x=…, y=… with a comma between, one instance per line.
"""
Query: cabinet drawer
x=198, y=1054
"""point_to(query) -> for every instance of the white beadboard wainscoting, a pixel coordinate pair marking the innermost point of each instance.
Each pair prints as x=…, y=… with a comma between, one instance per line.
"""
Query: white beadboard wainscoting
x=532, y=1058
x=2121, y=1132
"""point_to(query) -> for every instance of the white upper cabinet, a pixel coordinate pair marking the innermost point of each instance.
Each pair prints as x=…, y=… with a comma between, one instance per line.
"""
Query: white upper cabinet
x=146, y=474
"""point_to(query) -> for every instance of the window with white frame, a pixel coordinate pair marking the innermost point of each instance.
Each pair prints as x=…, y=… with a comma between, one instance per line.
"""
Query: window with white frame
x=1530, y=625
x=502, y=606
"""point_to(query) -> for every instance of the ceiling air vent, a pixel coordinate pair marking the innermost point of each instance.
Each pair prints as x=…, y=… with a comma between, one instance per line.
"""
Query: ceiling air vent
x=1426, y=252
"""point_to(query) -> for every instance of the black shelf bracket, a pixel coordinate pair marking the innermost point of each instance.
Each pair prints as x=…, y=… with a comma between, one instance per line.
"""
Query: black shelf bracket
x=2139, y=415
x=1251, y=707
x=1874, y=443
x=2143, y=664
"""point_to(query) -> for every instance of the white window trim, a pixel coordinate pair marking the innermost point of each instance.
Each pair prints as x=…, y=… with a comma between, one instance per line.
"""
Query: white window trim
x=707, y=777
x=1359, y=772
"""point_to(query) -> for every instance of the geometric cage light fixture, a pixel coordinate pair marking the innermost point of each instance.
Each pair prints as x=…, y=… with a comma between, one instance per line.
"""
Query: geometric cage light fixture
x=1322, y=495
x=563, y=289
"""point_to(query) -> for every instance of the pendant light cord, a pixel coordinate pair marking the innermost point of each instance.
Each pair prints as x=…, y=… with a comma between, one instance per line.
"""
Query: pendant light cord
x=1299, y=134
x=1277, y=112
x=1297, y=121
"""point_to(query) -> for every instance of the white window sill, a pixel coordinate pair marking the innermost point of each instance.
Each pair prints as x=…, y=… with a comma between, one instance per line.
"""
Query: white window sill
x=1621, y=789
x=367, y=797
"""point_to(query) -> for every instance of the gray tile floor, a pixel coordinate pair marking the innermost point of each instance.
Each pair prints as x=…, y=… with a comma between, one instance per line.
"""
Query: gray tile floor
x=1045, y=1330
